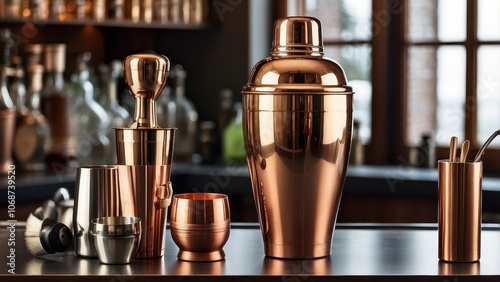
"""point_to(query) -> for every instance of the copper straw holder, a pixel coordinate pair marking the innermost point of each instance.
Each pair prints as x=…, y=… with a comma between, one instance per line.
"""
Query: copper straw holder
x=459, y=220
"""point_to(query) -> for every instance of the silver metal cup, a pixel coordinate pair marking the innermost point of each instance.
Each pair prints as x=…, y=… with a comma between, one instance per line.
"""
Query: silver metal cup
x=116, y=239
x=96, y=195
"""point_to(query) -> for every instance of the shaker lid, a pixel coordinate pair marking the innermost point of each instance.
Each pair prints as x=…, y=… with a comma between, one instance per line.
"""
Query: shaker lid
x=300, y=34
x=297, y=63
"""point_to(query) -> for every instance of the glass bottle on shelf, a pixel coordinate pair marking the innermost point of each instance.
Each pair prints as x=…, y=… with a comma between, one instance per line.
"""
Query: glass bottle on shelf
x=233, y=146
x=57, y=10
x=12, y=8
x=208, y=142
x=186, y=118
x=119, y=117
x=59, y=108
x=17, y=89
x=226, y=109
x=426, y=152
x=93, y=145
x=7, y=108
x=34, y=54
x=357, y=149
x=166, y=108
x=38, y=10
x=32, y=137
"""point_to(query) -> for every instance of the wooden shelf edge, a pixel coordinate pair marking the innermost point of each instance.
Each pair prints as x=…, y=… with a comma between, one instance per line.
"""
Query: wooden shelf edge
x=109, y=23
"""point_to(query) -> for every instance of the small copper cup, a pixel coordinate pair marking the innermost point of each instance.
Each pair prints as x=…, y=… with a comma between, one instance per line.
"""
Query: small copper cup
x=199, y=224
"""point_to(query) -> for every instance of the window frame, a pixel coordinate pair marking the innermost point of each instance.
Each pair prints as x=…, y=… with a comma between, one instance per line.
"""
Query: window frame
x=471, y=45
x=389, y=85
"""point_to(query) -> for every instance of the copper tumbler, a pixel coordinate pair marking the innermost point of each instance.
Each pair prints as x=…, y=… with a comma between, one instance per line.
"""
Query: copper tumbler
x=297, y=123
x=459, y=220
x=199, y=224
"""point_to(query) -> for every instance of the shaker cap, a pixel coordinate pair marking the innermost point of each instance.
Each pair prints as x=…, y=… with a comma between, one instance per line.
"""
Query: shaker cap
x=296, y=64
x=297, y=34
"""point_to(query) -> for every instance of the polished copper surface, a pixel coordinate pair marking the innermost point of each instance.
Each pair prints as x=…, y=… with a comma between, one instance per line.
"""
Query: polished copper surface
x=144, y=146
x=199, y=224
x=297, y=34
x=320, y=266
x=460, y=209
x=144, y=192
x=145, y=75
x=180, y=267
x=7, y=124
x=457, y=268
x=297, y=123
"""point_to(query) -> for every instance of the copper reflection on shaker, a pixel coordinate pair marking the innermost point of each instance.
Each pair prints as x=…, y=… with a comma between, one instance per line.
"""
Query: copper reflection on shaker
x=297, y=123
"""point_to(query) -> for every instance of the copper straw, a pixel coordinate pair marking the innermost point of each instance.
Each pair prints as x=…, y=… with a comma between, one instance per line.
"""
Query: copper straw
x=486, y=144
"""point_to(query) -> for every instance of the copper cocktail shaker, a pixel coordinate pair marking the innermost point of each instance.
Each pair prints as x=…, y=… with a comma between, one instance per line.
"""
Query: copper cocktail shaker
x=297, y=122
x=144, y=152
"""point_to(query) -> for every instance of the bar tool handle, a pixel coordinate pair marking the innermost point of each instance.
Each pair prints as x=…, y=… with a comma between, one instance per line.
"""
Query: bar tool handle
x=164, y=200
x=145, y=76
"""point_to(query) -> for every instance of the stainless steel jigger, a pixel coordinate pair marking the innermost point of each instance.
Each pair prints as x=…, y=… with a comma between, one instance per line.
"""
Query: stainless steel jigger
x=144, y=153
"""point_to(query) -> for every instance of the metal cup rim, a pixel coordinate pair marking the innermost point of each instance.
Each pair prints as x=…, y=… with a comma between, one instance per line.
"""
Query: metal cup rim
x=115, y=226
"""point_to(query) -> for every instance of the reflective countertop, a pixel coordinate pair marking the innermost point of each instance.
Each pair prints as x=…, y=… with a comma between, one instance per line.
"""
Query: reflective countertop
x=360, y=252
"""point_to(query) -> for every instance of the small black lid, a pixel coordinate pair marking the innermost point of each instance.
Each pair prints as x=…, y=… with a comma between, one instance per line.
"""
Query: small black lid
x=54, y=236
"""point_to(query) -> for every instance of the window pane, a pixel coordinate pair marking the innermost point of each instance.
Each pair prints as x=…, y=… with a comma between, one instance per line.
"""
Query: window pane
x=450, y=93
x=421, y=93
x=436, y=93
x=342, y=19
x=356, y=61
x=488, y=92
x=488, y=20
x=431, y=20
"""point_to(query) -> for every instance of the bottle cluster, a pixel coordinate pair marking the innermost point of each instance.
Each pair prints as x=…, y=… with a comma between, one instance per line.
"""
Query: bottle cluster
x=147, y=11
x=61, y=120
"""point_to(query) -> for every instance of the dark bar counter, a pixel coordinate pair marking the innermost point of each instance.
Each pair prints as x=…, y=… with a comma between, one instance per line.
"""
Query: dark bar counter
x=360, y=252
